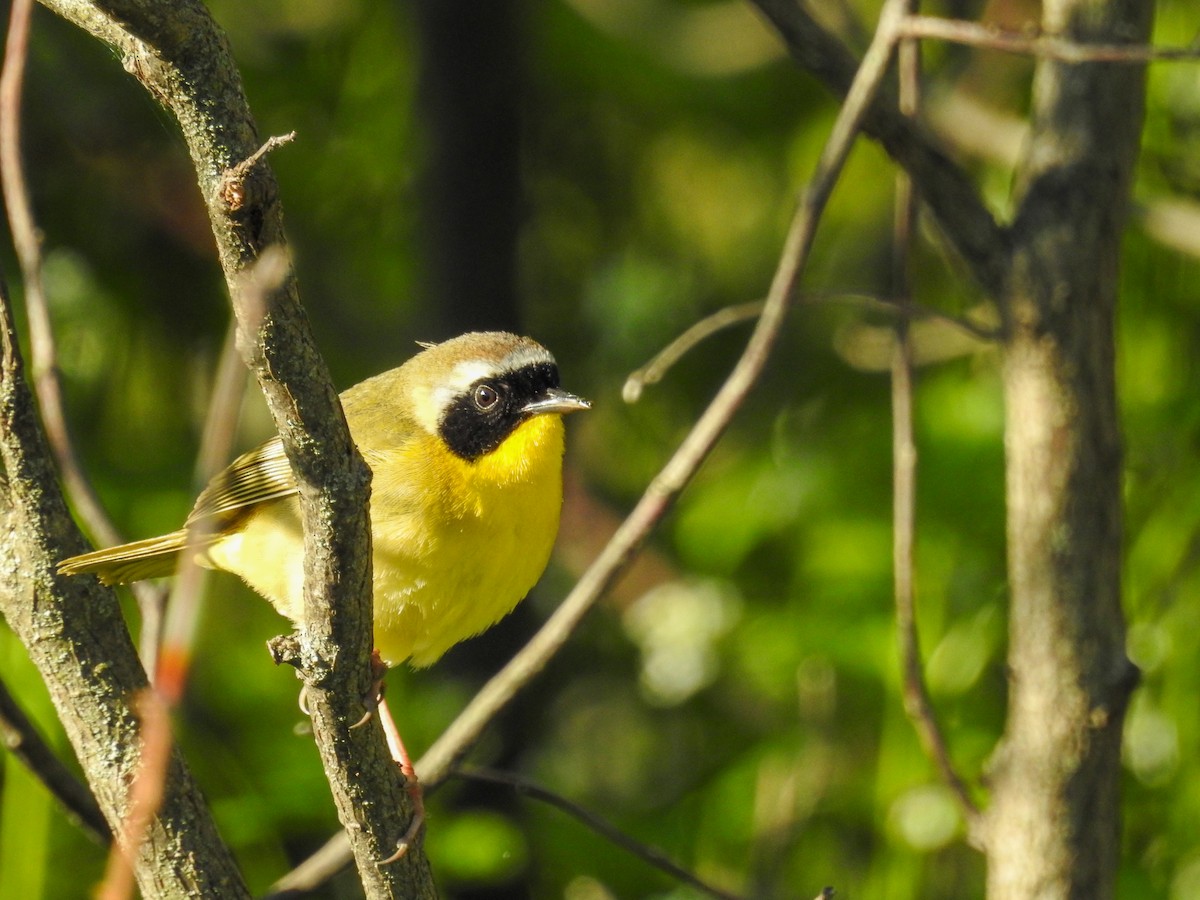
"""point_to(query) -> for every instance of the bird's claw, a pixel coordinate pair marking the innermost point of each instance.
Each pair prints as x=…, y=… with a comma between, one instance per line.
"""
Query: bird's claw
x=374, y=695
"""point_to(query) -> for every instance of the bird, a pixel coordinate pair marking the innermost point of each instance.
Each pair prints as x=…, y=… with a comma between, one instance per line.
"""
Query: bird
x=465, y=443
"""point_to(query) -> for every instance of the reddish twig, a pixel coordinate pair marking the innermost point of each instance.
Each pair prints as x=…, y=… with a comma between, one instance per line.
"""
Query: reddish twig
x=216, y=447
x=145, y=795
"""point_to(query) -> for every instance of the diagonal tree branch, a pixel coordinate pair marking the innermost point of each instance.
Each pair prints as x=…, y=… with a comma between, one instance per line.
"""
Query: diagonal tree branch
x=20, y=737
x=690, y=455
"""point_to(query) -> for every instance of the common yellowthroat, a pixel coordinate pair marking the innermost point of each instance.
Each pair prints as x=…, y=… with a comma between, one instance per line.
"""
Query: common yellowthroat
x=465, y=441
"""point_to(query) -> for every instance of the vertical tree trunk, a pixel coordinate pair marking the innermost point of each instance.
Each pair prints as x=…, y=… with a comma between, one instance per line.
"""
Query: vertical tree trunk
x=1053, y=826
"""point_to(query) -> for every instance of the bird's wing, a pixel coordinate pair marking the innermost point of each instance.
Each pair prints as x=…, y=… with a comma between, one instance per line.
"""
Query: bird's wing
x=253, y=478
x=256, y=477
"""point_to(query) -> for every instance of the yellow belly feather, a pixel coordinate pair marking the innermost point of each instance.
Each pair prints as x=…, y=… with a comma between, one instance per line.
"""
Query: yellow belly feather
x=457, y=544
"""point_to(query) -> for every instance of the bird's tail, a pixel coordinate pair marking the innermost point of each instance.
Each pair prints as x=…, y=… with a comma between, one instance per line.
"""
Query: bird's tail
x=154, y=557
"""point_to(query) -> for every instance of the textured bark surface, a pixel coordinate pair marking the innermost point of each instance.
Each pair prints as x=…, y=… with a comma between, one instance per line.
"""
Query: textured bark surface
x=1054, y=824
x=74, y=633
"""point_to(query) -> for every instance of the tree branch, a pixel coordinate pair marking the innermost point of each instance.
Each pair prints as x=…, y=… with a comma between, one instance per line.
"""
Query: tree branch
x=611, y=833
x=1053, y=827
x=20, y=737
x=1043, y=46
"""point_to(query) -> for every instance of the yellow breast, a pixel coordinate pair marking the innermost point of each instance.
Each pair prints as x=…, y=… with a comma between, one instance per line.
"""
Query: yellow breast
x=479, y=540
x=457, y=544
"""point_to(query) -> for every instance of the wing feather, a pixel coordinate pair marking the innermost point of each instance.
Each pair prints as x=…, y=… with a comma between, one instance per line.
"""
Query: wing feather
x=252, y=479
x=256, y=477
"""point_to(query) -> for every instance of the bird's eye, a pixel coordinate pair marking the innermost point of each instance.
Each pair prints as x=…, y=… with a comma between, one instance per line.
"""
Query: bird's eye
x=485, y=397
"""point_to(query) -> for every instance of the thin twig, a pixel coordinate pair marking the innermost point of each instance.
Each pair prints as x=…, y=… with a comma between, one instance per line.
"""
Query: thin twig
x=216, y=447
x=27, y=242
x=651, y=855
x=1042, y=46
x=917, y=703
x=332, y=858
x=20, y=737
x=232, y=187
x=43, y=351
x=662, y=362
x=653, y=371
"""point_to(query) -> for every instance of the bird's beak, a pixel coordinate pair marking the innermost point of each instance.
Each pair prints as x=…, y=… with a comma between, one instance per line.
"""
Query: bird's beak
x=555, y=400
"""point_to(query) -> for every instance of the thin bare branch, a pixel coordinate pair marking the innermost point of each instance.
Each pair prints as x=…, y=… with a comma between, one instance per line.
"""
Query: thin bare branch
x=662, y=362
x=232, y=187
x=1044, y=46
x=917, y=702
x=651, y=855
x=20, y=737
x=332, y=858
x=28, y=243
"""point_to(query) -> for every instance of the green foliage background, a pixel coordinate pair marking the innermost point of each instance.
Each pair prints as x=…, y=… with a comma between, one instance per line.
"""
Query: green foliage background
x=737, y=702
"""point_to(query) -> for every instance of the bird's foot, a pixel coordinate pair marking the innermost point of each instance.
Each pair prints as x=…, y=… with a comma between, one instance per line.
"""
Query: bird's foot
x=415, y=794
